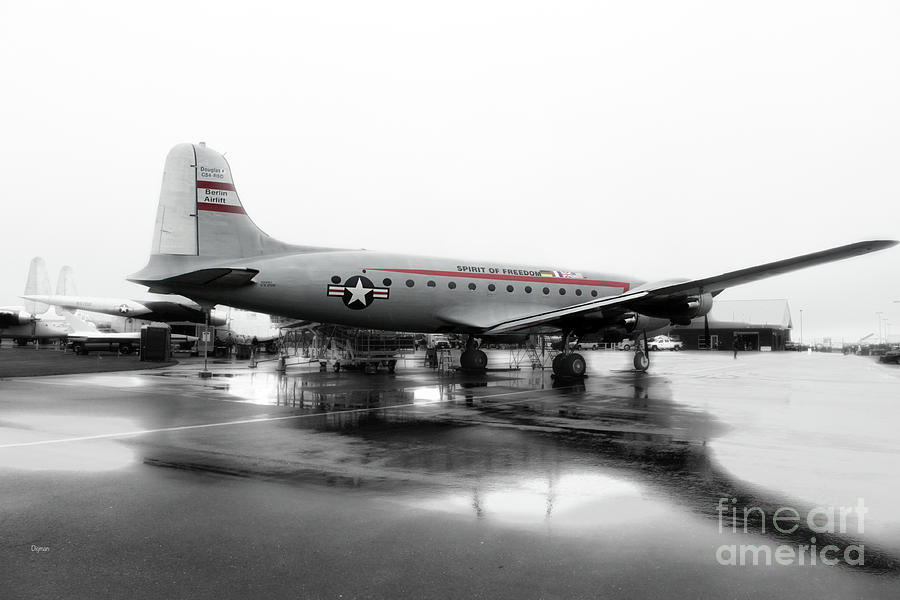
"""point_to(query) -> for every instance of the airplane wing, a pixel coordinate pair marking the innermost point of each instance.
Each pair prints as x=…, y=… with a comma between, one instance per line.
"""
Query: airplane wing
x=669, y=290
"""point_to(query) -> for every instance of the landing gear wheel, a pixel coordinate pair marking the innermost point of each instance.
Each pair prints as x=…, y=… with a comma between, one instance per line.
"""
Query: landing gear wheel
x=641, y=361
x=569, y=365
x=125, y=349
x=557, y=362
x=574, y=365
x=473, y=360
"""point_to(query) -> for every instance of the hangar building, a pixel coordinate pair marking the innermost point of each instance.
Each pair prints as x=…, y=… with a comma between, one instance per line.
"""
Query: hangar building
x=755, y=324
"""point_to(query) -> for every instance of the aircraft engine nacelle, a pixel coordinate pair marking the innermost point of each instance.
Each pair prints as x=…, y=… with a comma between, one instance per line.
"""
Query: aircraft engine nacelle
x=638, y=322
x=11, y=318
x=679, y=311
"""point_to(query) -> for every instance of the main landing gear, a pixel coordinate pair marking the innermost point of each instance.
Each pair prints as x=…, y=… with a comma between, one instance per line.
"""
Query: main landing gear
x=472, y=359
x=567, y=363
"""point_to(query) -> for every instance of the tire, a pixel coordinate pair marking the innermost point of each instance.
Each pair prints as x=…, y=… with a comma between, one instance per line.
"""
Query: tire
x=626, y=347
x=473, y=360
x=654, y=347
x=557, y=363
x=574, y=365
x=125, y=349
x=78, y=349
x=641, y=361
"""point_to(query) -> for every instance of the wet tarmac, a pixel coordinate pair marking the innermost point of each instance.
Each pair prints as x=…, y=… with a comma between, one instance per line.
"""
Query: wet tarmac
x=510, y=484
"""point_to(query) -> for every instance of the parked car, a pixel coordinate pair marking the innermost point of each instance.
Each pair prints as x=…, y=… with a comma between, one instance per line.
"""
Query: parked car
x=664, y=342
x=891, y=356
x=659, y=342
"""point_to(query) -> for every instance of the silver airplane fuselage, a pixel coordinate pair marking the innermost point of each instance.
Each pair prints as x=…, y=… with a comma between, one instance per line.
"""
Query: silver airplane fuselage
x=402, y=292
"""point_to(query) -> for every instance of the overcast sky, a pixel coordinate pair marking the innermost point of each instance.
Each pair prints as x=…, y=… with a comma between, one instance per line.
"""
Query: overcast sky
x=657, y=139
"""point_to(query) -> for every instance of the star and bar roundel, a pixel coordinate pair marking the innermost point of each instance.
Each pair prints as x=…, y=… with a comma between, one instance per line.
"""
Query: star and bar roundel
x=358, y=292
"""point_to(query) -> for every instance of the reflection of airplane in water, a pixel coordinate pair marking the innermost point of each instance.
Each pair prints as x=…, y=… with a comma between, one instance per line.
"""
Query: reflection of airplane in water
x=508, y=431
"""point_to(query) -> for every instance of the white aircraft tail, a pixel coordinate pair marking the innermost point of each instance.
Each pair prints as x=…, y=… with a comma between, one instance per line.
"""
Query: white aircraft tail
x=65, y=285
x=202, y=227
x=38, y=283
x=200, y=213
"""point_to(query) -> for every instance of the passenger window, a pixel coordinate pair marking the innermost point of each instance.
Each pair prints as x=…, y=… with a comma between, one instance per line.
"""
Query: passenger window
x=527, y=289
x=472, y=286
x=562, y=291
x=387, y=282
x=335, y=279
x=546, y=291
x=492, y=287
x=509, y=288
x=578, y=292
x=594, y=293
x=431, y=284
x=410, y=283
x=452, y=285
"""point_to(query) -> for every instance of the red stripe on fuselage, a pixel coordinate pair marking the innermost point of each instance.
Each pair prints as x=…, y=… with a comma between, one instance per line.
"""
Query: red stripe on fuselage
x=220, y=208
x=496, y=276
x=216, y=185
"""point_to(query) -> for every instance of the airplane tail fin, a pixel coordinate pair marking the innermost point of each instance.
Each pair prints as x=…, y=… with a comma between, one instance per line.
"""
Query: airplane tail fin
x=65, y=285
x=200, y=213
x=201, y=226
x=38, y=283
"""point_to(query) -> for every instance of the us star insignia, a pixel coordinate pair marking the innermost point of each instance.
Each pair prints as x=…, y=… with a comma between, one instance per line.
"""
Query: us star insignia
x=358, y=292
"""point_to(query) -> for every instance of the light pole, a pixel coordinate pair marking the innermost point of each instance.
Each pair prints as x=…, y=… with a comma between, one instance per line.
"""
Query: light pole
x=878, y=316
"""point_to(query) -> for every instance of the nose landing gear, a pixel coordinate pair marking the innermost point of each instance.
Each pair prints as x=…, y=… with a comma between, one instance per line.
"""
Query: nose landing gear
x=641, y=354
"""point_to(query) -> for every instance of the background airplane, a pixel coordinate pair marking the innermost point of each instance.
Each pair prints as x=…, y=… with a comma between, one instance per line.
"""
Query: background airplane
x=32, y=321
x=206, y=247
x=162, y=310
x=83, y=337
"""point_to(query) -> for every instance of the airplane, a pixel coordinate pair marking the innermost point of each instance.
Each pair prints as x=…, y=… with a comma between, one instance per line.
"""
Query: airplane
x=163, y=310
x=30, y=322
x=206, y=247
x=83, y=338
